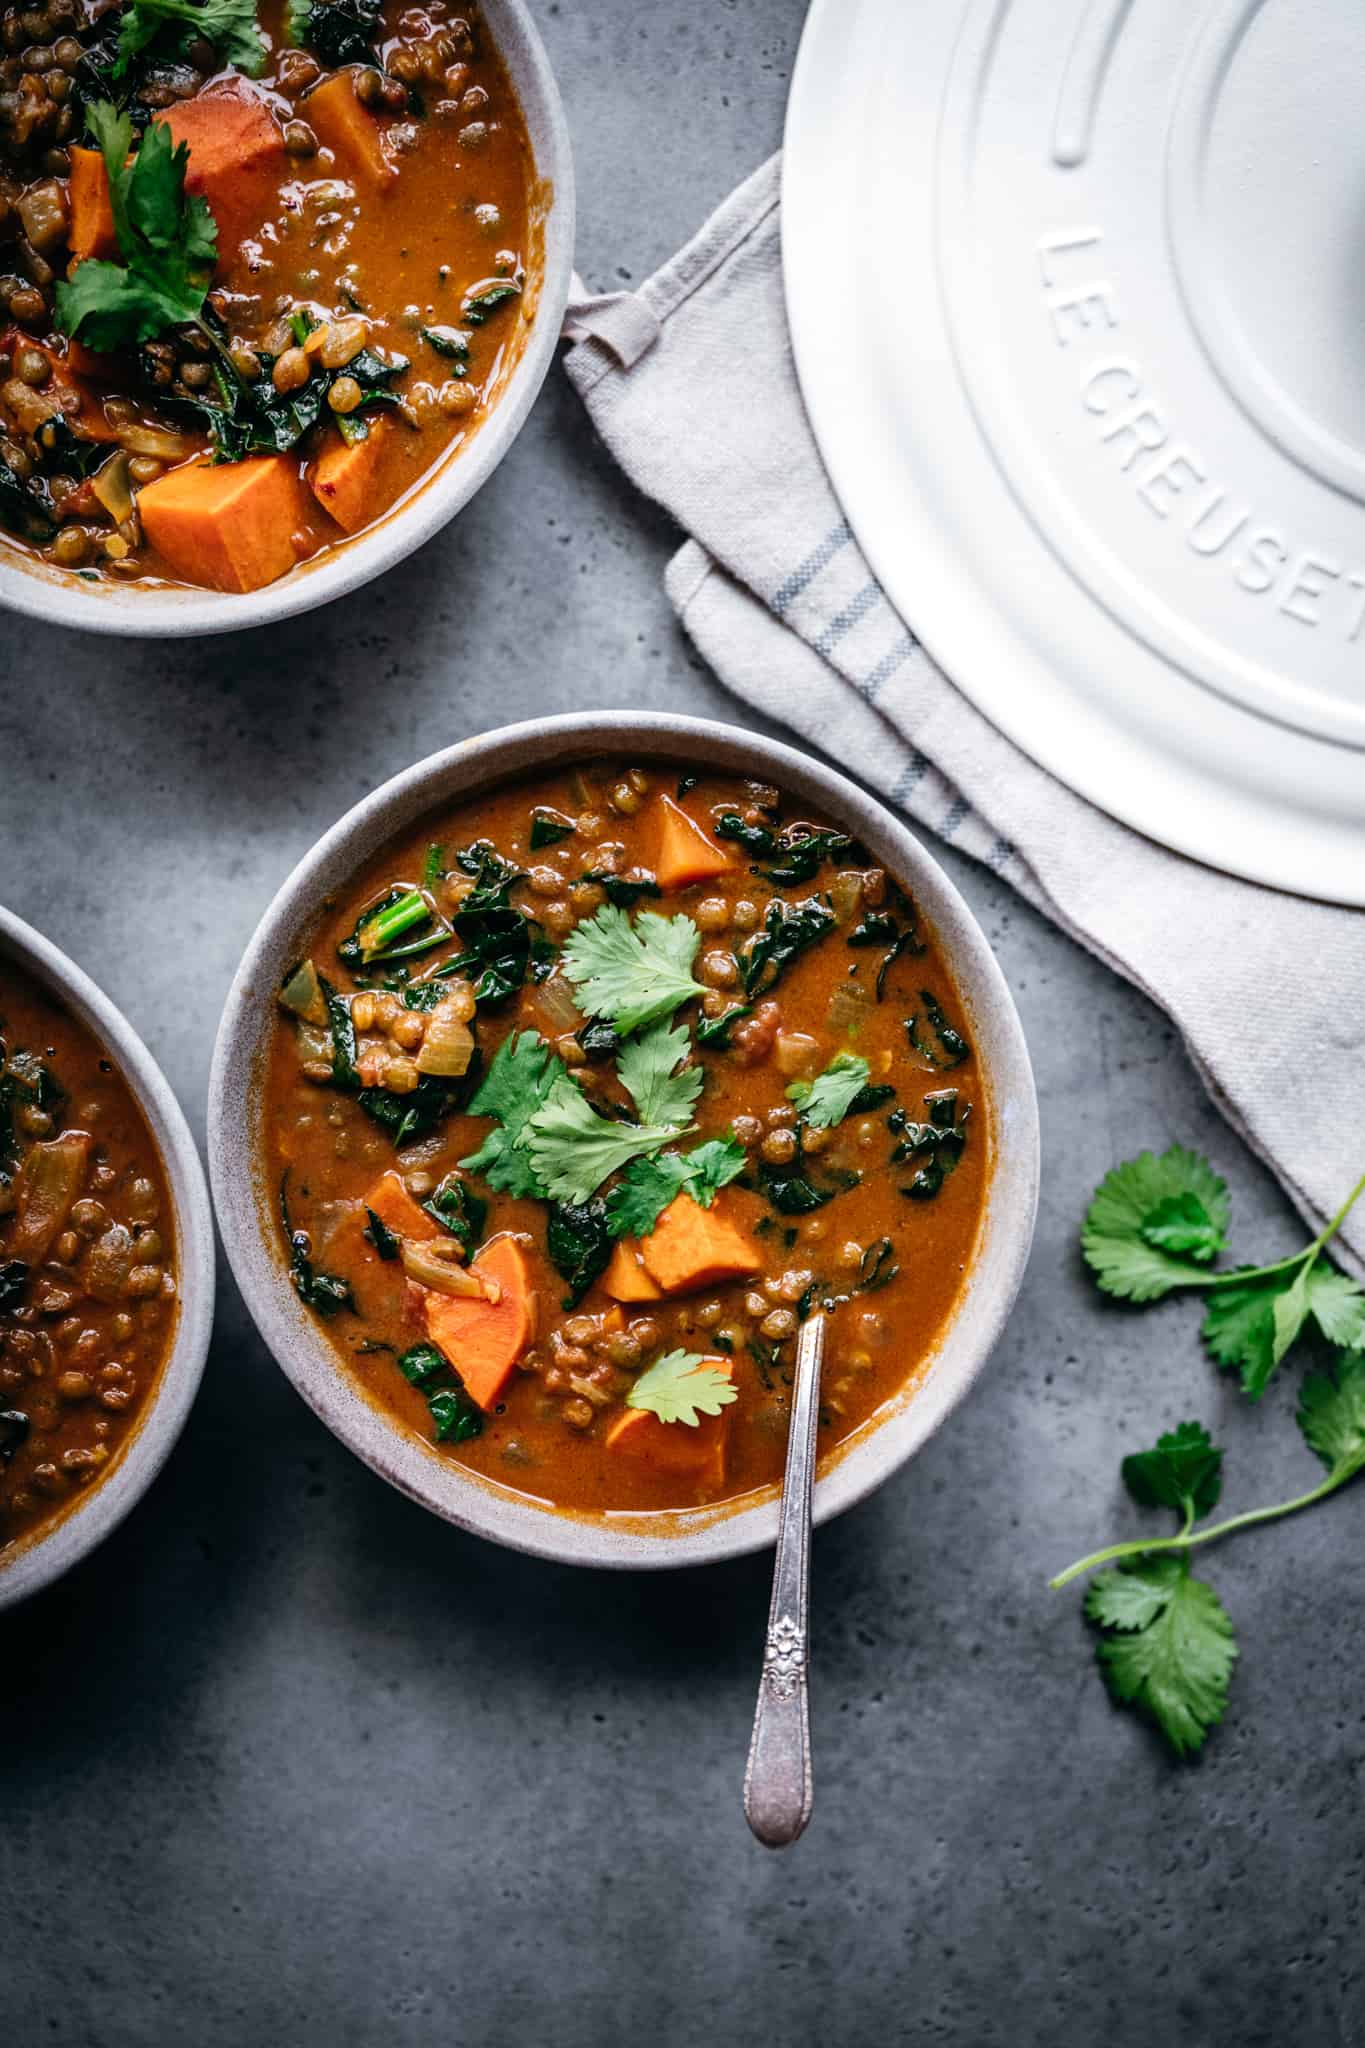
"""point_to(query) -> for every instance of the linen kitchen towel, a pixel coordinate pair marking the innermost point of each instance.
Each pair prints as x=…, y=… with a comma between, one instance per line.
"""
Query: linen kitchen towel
x=690, y=382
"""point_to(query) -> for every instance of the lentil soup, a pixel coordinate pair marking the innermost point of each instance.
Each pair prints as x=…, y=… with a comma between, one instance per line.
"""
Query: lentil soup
x=347, y=272
x=87, y=1261
x=585, y=1094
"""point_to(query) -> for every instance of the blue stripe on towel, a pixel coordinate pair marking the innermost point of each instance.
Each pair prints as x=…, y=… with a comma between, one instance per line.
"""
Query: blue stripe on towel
x=800, y=579
x=958, y=810
x=894, y=658
x=910, y=774
x=1002, y=851
x=844, y=621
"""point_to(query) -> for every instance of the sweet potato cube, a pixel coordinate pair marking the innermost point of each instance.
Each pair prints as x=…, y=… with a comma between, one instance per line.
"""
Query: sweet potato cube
x=625, y=1278
x=237, y=158
x=692, y=1247
x=348, y=481
x=350, y=131
x=92, y=217
x=685, y=854
x=227, y=527
x=484, y=1339
x=398, y=1211
x=696, y=1448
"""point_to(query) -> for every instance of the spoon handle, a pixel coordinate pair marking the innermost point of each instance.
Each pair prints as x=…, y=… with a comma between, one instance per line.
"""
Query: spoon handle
x=778, y=1791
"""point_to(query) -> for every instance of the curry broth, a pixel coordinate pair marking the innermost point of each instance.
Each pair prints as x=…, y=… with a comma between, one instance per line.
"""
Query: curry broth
x=86, y=1325
x=878, y=1338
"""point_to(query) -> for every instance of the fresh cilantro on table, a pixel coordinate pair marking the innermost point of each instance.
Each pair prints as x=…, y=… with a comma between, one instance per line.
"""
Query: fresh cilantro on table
x=1155, y=1224
x=167, y=239
x=648, y=1185
x=579, y=1242
x=230, y=25
x=648, y=1071
x=827, y=1100
x=1166, y=1645
x=632, y=974
x=680, y=1386
x=323, y=1292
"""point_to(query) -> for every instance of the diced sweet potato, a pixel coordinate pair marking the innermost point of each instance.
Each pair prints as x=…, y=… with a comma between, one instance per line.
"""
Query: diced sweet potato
x=92, y=217
x=227, y=527
x=484, y=1339
x=348, y=477
x=237, y=161
x=697, y=1448
x=350, y=131
x=398, y=1211
x=692, y=1247
x=685, y=854
x=625, y=1279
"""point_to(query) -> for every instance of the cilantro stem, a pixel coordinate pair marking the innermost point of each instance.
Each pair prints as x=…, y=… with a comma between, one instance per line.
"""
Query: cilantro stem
x=1185, y=1541
x=1240, y=1275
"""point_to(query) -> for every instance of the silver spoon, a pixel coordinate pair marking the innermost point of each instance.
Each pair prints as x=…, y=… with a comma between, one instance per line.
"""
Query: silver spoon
x=778, y=1791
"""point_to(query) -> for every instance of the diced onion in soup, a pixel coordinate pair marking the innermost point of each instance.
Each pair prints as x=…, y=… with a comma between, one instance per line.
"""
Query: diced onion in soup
x=140, y=439
x=448, y=1046
x=846, y=895
x=110, y=485
x=552, y=1009
x=437, y=1266
x=848, y=1008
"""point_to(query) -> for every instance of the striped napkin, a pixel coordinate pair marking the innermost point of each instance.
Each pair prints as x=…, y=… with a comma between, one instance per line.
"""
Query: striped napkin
x=691, y=384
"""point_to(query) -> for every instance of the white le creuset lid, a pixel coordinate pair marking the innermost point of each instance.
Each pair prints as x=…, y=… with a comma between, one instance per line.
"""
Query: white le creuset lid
x=1088, y=373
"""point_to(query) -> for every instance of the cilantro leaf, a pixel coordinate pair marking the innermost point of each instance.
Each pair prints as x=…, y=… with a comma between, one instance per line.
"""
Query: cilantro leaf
x=1167, y=1646
x=1184, y=1471
x=827, y=1100
x=521, y=1077
x=1337, y=1306
x=632, y=974
x=573, y=1150
x=230, y=25
x=1332, y=1416
x=1242, y=1331
x=168, y=242
x=646, y=1069
x=1181, y=1223
x=680, y=1386
x=649, y=1185
x=1133, y=1199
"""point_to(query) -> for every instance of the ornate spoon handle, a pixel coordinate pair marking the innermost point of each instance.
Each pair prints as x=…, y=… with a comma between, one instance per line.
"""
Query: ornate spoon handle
x=778, y=1791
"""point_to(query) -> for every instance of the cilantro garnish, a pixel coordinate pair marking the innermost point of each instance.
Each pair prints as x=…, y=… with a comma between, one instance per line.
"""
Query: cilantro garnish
x=519, y=1080
x=680, y=1386
x=168, y=242
x=649, y=1185
x=1156, y=1224
x=573, y=1150
x=1166, y=1645
x=827, y=1100
x=230, y=25
x=646, y=1070
x=633, y=974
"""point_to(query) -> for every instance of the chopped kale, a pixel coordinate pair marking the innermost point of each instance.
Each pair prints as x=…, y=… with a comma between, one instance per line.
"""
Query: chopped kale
x=801, y=854
x=953, y=1047
x=455, y=1415
x=14, y=1428
x=338, y=31
x=480, y=306
x=759, y=840
x=339, y=1023
x=715, y=1031
x=452, y=345
x=13, y=1281
x=878, y=1267
x=936, y=1146
x=579, y=1241
x=322, y=1292
x=502, y=946
x=600, y=1040
x=380, y=1236
x=685, y=783
x=618, y=890
x=548, y=828
x=790, y=1188
x=459, y=1210
x=414, y=1115
x=897, y=934
x=423, y=1365
x=788, y=930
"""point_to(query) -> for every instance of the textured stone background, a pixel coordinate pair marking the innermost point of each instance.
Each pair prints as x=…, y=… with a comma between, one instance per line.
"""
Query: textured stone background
x=290, y=1762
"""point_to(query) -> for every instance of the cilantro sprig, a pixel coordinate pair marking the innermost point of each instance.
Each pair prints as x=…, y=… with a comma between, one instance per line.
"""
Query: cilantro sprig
x=1167, y=1646
x=168, y=241
x=1156, y=1224
x=230, y=25
x=632, y=974
x=680, y=1386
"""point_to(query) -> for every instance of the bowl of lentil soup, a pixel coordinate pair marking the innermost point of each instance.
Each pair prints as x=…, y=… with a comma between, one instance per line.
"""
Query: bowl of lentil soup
x=570, y=1072
x=106, y=1265
x=275, y=297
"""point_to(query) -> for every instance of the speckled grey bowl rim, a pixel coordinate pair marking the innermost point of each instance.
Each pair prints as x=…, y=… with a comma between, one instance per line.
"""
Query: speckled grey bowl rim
x=41, y=1560
x=61, y=599
x=246, y=1212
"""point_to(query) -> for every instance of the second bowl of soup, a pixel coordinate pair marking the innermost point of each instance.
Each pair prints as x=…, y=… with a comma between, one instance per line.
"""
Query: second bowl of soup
x=576, y=1070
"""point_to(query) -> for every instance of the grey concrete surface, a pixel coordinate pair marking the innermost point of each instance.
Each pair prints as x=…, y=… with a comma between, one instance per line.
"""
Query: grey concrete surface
x=288, y=1762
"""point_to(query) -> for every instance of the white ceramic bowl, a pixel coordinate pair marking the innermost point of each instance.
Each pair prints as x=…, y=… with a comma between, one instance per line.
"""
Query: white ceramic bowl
x=247, y=1214
x=43, y=592
x=43, y=1558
